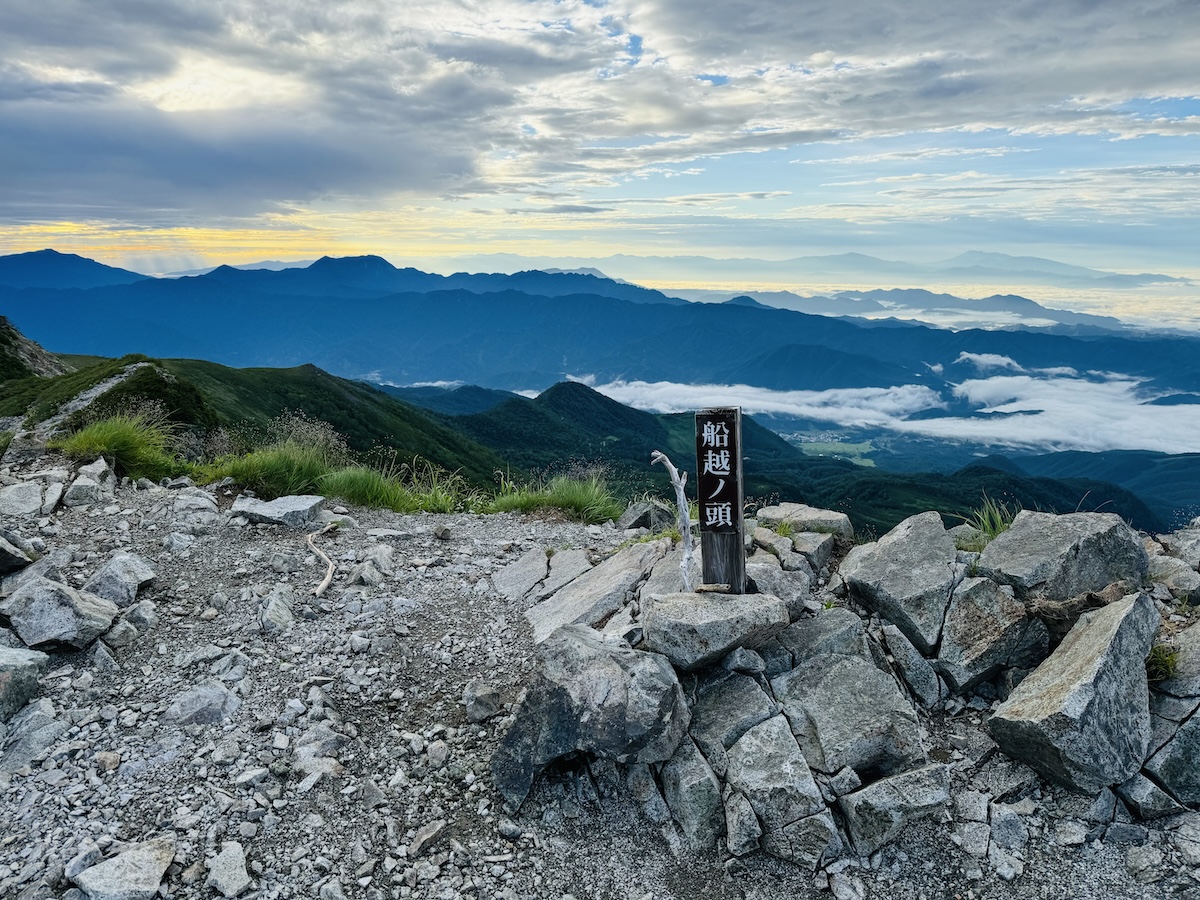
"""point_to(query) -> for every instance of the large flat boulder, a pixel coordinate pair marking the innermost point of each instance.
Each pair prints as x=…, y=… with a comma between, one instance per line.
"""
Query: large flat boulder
x=595, y=696
x=21, y=499
x=794, y=588
x=297, y=511
x=1082, y=718
x=134, y=874
x=768, y=769
x=878, y=813
x=519, y=577
x=987, y=629
x=598, y=593
x=845, y=712
x=693, y=630
x=1059, y=557
x=807, y=518
x=19, y=671
x=667, y=575
x=44, y=612
x=907, y=577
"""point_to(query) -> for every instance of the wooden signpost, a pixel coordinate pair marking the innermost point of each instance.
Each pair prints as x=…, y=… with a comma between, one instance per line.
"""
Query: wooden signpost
x=719, y=488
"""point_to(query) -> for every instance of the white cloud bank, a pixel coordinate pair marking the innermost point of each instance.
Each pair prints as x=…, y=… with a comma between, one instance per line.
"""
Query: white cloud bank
x=1044, y=413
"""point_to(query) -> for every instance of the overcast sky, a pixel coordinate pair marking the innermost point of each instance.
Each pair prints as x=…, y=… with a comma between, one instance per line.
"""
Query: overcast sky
x=161, y=134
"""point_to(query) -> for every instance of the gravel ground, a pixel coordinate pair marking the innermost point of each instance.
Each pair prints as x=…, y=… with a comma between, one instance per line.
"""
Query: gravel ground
x=351, y=749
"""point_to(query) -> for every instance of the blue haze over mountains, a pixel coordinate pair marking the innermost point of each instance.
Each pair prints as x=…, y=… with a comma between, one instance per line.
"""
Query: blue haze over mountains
x=361, y=317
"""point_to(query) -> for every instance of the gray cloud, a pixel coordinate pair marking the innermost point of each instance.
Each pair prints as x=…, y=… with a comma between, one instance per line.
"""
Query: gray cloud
x=135, y=107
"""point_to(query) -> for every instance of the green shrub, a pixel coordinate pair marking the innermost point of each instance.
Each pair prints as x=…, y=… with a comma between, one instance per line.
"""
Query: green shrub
x=274, y=471
x=138, y=444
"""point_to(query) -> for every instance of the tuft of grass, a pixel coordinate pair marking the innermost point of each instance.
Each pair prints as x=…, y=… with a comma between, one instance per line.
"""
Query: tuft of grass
x=783, y=528
x=368, y=487
x=990, y=519
x=138, y=444
x=287, y=468
x=586, y=499
x=5, y=439
x=1161, y=662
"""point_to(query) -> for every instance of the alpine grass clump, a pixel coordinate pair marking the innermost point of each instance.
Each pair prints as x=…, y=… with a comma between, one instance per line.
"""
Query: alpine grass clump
x=1161, y=662
x=587, y=499
x=5, y=439
x=989, y=519
x=138, y=443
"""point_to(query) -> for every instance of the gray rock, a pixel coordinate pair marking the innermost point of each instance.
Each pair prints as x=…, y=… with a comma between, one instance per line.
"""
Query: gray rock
x=12, y=558
x=1181, y=579
x=227, y=872
x=21, y=499
x=845, y=712
x=19, y=671
x=987, y=629
x=50, y=566
x=667, y=577
x=132, y=875
x=644, y=514
x=907, y=577
x=208, y=703
x=481, y=699
x=693, y=630
x=767, y=767
x=591, y=696
x=299, y=511
x=122, y=634
x=917, y=673
x=1184, y=544
x=1146, y=799
x=878, y=813
x=1174, y=765
x=781, y=548
x=835, y=630
x=742, y=828
x=120, y=578
x=793, y=588
x=518, y=578
x=277, y=615
x=142, y=615
x=598, y=593
x=724, y=711
x=177, y=541
x=1008, y=828
x=815, y=547
x=193, y=510
x=44, y=611
x=54, y=493
x=1059, y=557
x=693, y=795
x=1082, y=718
x=807, y=518
x=564, y=567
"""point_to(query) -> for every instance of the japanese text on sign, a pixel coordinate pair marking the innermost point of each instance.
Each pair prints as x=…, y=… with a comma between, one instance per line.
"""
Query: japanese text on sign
x=718, y=463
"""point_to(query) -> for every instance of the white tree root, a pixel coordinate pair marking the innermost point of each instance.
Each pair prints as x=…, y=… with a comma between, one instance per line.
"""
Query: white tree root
x=328, y=579
x=679, y=479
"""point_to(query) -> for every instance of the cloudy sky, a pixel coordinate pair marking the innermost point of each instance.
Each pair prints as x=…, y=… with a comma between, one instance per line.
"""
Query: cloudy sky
x=164, y=134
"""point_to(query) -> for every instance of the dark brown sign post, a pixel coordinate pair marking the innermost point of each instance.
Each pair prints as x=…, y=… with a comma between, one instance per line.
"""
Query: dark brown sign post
x=719, y=488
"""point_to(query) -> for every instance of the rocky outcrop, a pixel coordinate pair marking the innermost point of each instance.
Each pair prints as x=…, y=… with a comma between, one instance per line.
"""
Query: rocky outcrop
x=44, y=612
x=593, y=696
x=693, y=630
x=907, y=577
x=986, y=631
x=1082, y=718
x=1059, y=557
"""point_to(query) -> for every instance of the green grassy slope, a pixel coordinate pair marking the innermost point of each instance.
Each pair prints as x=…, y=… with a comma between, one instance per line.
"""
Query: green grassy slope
x=366, y=416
